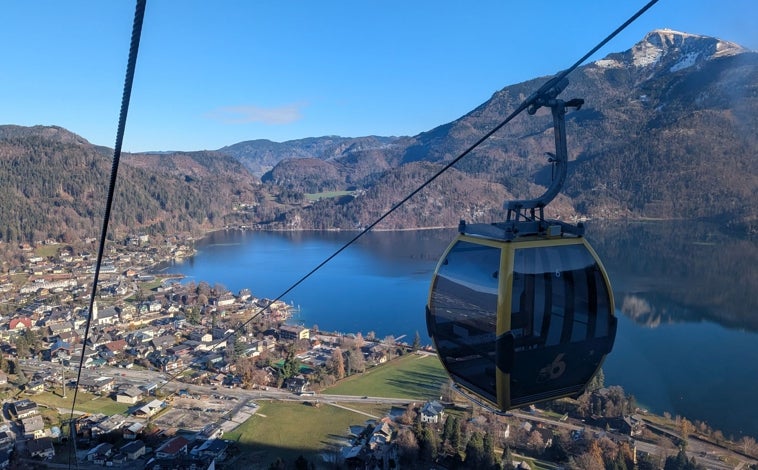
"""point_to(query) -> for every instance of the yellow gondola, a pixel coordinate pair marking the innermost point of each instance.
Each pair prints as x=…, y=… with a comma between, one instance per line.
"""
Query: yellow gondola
x=522, y=311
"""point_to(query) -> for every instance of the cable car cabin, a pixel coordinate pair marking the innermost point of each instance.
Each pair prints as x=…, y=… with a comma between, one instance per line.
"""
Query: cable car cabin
x=521, y=320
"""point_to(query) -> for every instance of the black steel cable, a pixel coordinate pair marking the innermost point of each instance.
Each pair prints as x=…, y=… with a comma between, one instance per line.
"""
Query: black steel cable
x=524, y=105
x=139, y=15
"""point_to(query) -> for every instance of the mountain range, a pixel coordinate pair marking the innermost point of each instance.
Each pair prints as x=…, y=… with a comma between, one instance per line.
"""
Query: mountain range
x=668, y=130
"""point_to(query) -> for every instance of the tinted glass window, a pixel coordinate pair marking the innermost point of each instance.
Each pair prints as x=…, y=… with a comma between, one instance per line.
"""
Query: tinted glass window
x=463, y=314
x=559, y=296
x=559, y=320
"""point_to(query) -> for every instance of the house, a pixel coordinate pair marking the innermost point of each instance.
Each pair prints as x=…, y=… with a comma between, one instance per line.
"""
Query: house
x=34, y=427
x=116, y=347
x=163, y=342
x=172, y=448
x=169, y=363
x=107, y=425
x=134, y=450
x=149, y=388
x=381, y=435
x=150, y=409
x=98, y=385
x=60, y=349
x=132, y=430
x=129, y=395
x=223, y=300
x=214, y=448
x=140, y=337
x=20, y=324
x=297, y=384
x=42, y=448
x=108, y=316
x=432, y=412
x=209, y=432
x=179, y=350
x=202, y=336
x=59, y=327
x=294, y=332
x=35, y=386
x=23, y=409
x=632, y=425
x=104, y=449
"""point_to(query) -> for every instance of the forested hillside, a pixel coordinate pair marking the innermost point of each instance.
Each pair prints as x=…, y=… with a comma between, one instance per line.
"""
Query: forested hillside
x=54, y=185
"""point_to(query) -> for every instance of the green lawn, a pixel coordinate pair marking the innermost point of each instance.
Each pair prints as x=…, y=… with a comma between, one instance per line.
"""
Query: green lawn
x=46, y=251
x=290, y=429
x=85, y=402
x=411, y=376
x=326, y=195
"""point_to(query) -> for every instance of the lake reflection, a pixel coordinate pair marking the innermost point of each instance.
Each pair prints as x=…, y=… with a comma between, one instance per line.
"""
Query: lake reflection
x=685, y=294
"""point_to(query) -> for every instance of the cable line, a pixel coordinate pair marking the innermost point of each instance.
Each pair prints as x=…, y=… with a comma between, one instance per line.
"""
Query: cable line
x=139, y=15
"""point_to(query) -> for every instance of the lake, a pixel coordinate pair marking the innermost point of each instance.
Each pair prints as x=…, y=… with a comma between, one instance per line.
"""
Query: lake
x=684, y=291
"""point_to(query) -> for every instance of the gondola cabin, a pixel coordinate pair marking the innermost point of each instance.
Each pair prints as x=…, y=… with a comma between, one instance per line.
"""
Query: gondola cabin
x=519, y=320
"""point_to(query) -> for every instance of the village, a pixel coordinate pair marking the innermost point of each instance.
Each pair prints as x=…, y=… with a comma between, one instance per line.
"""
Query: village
x=169, y=368
x=168, y=355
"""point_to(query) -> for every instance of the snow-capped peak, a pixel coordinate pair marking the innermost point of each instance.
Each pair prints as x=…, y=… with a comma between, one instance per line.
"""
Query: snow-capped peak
x=679, y=51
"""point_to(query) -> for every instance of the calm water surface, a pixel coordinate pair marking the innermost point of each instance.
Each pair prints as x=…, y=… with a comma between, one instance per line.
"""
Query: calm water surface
x=685, y=297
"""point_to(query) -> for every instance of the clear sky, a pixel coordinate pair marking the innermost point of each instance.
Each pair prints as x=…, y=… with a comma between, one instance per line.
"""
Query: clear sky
x=214, y=73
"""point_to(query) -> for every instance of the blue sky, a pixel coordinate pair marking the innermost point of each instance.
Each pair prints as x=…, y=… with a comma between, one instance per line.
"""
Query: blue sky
x=211, y=74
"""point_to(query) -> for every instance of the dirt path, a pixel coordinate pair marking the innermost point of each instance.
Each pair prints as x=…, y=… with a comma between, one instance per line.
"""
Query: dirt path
x=353, y=410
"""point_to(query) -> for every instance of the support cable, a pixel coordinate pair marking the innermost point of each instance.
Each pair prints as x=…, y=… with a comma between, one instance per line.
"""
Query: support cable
x=139, y=15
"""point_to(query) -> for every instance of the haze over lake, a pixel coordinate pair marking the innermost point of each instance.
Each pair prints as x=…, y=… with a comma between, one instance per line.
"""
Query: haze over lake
x=685, y=297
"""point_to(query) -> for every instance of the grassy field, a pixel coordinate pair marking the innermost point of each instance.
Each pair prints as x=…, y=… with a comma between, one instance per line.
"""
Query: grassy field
x=85, y=402
x=326, y=195
x=411, y=376
x=290, y=429
x=46, y=251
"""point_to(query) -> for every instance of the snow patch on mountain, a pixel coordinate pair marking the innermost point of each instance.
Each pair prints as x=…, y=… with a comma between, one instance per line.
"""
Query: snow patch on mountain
x=645, y=53
x=687, y=61
x=608, y=64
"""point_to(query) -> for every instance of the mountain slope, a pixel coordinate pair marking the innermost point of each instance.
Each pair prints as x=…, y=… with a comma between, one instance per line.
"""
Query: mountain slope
x=667, y=130
x=55, y=184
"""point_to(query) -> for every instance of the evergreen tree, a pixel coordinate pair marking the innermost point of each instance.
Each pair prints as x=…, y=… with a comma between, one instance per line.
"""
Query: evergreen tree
x=507, y=461
x=291, y=366
x=447, y=430
x=489, y=451
x=428, y=444
x=475, y=451
x=455, y=436
x=416, y=342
